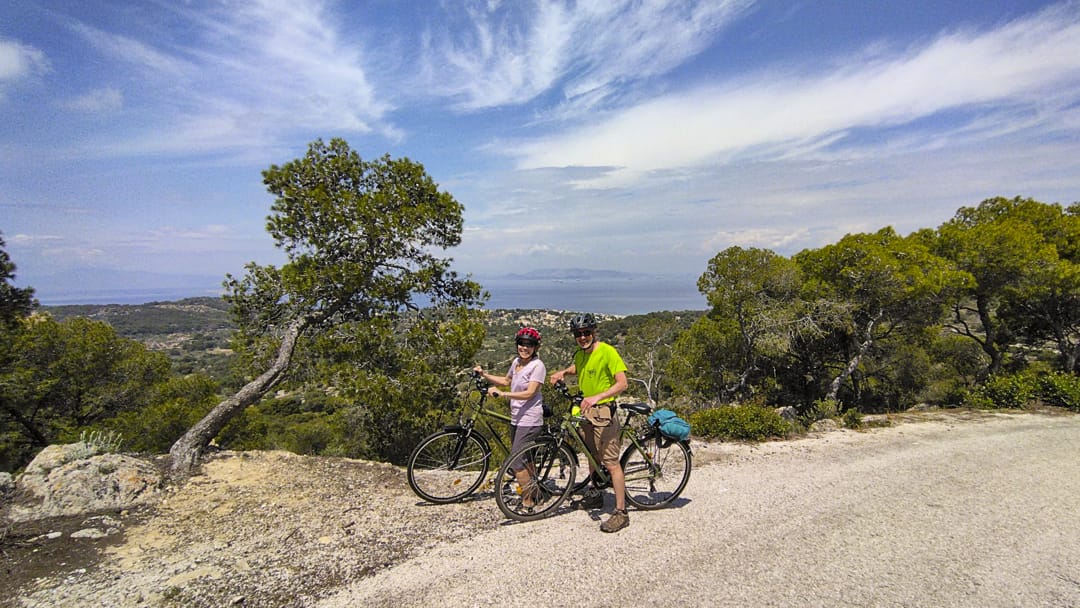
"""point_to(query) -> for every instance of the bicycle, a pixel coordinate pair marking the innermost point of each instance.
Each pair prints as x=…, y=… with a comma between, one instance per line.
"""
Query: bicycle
x=450, y=464
x=656, y=467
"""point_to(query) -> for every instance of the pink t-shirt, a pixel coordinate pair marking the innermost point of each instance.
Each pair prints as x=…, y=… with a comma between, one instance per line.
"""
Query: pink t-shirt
x=527, y=412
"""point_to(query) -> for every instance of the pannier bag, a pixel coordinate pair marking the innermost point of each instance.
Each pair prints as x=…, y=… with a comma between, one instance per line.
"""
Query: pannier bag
x=670, y=424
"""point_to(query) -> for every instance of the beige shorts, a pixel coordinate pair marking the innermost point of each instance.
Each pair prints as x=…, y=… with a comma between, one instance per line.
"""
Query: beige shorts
x=601, y=433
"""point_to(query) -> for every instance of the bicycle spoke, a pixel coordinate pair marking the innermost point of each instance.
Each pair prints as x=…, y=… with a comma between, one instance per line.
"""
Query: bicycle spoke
x=448, y=466
x=655, y=477
x=548, y=469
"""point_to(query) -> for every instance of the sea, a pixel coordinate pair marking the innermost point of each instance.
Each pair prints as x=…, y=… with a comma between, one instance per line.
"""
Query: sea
x=617, y=296
x=621, y=295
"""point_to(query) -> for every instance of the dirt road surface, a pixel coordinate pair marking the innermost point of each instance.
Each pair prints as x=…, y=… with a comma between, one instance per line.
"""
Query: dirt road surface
x=971, y=513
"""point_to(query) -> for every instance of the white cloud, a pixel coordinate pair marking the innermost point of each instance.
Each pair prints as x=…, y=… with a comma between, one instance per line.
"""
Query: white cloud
x=511, y=53
x=1012, y=71
x=29, y=239
x=97, y=101
x=19, y=62
x=244, y=77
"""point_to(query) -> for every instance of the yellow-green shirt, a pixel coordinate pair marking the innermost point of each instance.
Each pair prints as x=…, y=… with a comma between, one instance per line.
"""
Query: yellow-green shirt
x=596, y=370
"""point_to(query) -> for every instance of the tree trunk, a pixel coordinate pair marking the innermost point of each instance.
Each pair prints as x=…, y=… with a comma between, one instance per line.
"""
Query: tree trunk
x=838, y=381
x=990, y=346
x=185, y=454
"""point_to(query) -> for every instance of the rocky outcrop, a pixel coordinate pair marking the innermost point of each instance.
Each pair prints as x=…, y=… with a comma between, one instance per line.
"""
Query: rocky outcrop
x=73, y=479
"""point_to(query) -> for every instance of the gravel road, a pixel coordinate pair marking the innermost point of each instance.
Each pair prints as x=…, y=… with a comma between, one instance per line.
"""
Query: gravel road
x=945, y=513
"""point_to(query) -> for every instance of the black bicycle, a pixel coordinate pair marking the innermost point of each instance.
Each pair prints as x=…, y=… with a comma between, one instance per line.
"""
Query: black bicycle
x=656, y=467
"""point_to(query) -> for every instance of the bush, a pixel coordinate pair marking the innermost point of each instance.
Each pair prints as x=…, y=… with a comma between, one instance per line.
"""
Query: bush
x=822, y=409
x=739, y=422
x=852, y=419
x=1019, y=390
x=1014, y=391
x=179, y=404
x=1060, y=390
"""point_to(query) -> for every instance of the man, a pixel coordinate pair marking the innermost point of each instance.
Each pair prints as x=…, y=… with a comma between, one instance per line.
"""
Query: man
x=601, y=376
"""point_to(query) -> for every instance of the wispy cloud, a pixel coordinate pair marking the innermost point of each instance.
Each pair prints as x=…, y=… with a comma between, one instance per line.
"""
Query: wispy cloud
x=97, y=101
x=1011, y=72
x=581, y=49
x=248, y=75
x=18, y=62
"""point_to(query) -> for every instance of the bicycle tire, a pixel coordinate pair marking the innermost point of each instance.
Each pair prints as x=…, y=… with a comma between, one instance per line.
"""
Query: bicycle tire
x=655, y=485
x=555, y=469
x=449, y=465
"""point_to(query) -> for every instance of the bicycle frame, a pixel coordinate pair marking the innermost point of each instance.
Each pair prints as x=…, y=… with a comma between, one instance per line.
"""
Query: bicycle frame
x=572, y=435
x=468, y=423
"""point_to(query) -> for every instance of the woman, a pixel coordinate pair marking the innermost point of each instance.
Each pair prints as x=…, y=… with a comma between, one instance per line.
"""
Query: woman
x=525, y=378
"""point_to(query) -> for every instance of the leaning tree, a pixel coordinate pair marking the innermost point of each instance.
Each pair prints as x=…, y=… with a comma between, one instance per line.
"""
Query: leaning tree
x=361, y=240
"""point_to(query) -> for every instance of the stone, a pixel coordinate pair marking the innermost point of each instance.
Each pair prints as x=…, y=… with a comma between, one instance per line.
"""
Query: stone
x=60, y=483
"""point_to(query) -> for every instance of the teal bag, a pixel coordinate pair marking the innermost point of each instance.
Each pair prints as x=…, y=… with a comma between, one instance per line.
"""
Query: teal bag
x=670, y=424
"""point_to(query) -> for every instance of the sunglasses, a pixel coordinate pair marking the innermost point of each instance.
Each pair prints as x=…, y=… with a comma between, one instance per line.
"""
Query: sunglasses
x=583, y=333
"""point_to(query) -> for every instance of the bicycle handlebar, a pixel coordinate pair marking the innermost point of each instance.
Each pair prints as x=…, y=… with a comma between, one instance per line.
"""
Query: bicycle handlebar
x=563, y=390
x=481, y=384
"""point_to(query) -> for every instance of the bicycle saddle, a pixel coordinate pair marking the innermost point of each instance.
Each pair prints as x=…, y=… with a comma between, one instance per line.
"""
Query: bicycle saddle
x=637, y=408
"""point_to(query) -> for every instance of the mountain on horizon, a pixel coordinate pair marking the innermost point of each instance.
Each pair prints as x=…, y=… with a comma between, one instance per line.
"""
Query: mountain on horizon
x=571, y=274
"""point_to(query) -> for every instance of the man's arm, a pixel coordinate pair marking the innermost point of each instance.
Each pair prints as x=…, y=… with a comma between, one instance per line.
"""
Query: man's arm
x=559, y=374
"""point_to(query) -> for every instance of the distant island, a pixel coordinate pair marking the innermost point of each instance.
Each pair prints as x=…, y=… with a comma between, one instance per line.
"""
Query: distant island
x=569, y=274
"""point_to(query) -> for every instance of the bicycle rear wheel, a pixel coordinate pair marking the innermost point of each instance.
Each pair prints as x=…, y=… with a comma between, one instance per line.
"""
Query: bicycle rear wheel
x=448, y=466
x=655, y=477
x=552, y=468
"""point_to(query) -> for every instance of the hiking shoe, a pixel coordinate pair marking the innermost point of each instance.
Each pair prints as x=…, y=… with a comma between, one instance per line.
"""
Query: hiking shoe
x=617, y=521
x=591, y=499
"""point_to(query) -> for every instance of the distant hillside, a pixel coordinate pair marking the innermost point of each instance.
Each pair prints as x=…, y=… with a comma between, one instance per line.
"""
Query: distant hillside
x=195, y=332
x=154, y=318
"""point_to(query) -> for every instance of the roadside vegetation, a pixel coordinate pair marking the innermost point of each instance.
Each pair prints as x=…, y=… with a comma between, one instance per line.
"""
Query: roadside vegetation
x=368, y=348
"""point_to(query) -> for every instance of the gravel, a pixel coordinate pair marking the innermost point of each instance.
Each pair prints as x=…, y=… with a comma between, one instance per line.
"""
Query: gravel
x=941, y=509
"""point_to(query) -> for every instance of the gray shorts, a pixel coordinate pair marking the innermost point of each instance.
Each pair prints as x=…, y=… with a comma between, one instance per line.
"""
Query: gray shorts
x=519, y=437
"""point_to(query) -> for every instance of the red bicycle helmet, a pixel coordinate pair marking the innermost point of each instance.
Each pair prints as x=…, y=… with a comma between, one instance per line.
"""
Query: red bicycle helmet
x=527, y=336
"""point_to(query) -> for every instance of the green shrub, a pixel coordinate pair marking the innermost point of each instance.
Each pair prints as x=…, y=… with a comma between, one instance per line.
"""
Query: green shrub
x=852, y=419
x=822, y=410
x=1059, y=390
x=738, y=422
x=1019, y=390
x=1014, y=391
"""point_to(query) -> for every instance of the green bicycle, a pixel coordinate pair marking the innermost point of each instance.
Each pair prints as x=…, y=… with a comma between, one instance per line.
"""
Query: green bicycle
x=656, y=467
x=451, y=464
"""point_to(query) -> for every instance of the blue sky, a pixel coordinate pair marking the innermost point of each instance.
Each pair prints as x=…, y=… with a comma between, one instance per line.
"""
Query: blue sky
x=639, y=137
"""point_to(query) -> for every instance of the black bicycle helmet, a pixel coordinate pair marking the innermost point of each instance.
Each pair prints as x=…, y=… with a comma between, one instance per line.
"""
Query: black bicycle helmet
x=584, y=321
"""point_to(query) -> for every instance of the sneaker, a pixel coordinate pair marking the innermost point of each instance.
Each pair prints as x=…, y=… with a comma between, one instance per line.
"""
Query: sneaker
x=591, y=499
x=617, y=521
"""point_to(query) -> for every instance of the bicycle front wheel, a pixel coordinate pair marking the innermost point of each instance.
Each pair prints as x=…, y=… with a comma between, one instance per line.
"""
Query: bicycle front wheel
x=656, y=473
x=550, y=470
x=448, y=466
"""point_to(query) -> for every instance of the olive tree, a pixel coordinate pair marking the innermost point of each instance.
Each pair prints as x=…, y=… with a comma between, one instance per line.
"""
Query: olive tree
x=362, y=241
